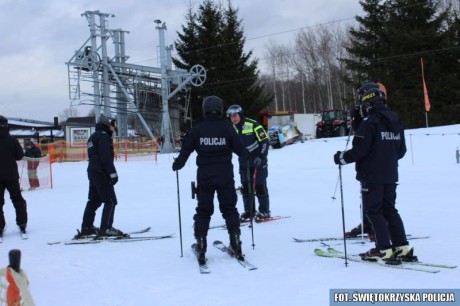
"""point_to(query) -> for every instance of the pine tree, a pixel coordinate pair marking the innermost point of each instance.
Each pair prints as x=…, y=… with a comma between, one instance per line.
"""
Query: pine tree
x=213, y=37
x=243, y=72
x=369, y=42
x=388, y=46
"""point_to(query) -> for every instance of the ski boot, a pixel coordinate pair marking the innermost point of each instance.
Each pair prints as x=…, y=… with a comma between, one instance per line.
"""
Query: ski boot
x=111, y=232
x=405, y=253
x=262, y=216
x=387, y=256
x=356, y=231
x=245, y=217
x=235, y=243
x=22, y=228
x=200, y=249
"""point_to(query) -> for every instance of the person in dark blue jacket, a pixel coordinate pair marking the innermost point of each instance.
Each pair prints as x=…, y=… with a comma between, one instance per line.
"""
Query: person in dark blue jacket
x=102, y=177
x=356, y=118
x=253, y=136
x=10, y=152
x=377, y=146
x=214, y=140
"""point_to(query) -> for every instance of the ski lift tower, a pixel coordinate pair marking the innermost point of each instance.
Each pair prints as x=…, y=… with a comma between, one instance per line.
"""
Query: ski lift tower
x=111, y=83
x=196, y=76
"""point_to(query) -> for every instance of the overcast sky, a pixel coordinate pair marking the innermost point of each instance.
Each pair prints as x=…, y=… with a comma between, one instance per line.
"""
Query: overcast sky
x=38, y=37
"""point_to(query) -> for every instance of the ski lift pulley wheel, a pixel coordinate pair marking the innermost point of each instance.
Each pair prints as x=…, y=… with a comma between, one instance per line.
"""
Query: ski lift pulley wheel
x=92, y=61
x=199, y=75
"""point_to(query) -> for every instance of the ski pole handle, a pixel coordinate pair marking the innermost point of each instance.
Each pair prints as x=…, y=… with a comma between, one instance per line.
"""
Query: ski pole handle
x=15, y=259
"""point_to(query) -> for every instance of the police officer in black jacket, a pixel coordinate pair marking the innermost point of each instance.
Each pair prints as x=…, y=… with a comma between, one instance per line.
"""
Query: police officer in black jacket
x=356, y=118
x=10, y=152
x=214, y=140
x=377, y=146
x=102, y=177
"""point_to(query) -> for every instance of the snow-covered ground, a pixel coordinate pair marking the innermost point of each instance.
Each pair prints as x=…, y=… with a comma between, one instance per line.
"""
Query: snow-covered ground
x=302, y=182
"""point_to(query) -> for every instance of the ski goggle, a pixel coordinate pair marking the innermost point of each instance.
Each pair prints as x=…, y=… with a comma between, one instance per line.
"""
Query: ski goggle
x=233, y=112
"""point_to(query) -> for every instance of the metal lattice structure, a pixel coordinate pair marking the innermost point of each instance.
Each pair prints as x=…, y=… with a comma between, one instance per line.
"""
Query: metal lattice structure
x=115, y=87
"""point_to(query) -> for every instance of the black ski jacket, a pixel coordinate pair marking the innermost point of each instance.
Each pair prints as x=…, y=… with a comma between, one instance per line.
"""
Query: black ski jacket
x=377, y=146
x=100, y=151
x=10, y=152
x=214, y=140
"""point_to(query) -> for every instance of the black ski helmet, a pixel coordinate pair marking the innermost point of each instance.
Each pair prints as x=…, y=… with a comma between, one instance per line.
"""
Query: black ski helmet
x=213, y=105
x=372, y=98
x=234, y=109
x=3, y=121
x=106, y=120
x=368, y=85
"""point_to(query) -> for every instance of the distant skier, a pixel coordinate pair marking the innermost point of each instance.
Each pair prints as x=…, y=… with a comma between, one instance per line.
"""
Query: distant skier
x=10, y=152
x=214, y=140
x=377, y=146
x=255, y=139
x=33, y=154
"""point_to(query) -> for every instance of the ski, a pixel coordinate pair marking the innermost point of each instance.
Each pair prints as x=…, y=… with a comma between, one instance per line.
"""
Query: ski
x=404, y=266
x=247, y=223
x=409, y=237
x=271, y=219
x=91, y=237
x=327, y=239
x=221, y=246
x=420, y=263
x=142, y=238
x=116, y=239
x=204, y=269
x=144, y=230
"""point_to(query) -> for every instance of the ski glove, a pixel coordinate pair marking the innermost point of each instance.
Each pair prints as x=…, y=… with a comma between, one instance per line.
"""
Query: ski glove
x=175, y=166
x=356, y=118
x=113, y=178
x=257, y=162
x=338, y=158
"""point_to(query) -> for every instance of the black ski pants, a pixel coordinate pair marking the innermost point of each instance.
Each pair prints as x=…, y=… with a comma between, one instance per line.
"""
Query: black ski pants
x=212, y=180
x=18, y=201
x=100, y=191
x=379, y=206
x=261, y=190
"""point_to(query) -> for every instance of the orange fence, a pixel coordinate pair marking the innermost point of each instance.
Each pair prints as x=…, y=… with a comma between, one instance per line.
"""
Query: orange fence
x=62, y=151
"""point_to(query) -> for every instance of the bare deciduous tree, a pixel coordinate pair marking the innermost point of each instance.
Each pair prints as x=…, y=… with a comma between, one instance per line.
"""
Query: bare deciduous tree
x=68, y=113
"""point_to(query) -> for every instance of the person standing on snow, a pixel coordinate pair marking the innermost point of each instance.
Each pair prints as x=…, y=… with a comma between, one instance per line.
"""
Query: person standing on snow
x=33, y=153
x=214, y=140
x=255, y=139
x=356, y=118
x=102, y=177
x=376, y=148
x=10, y=152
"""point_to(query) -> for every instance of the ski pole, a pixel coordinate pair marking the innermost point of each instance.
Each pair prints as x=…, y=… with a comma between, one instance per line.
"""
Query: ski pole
x=178, y=208
x=15, y=260
x=251, y=202
x=337, y=183
x=343, y=216
x=362, y=216
x=22, y=171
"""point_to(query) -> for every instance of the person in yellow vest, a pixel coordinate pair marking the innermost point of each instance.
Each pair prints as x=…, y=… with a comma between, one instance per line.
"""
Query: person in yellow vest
x=256, y=141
